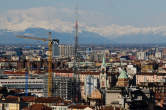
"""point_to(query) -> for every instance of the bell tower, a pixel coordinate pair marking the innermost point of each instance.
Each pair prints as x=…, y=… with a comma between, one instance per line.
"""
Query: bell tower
x=103, y=75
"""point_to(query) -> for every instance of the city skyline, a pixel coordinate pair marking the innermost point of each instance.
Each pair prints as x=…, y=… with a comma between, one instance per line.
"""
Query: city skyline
x=82, y=54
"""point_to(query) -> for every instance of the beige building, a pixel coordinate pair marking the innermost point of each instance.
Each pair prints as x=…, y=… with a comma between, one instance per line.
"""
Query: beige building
x=66, y=50
x=114, y=97
x=150, y=78
x=10, y=103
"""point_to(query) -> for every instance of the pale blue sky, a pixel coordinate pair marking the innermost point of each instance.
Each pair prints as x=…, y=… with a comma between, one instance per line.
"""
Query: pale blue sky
x=106, y=17
x=135, y=12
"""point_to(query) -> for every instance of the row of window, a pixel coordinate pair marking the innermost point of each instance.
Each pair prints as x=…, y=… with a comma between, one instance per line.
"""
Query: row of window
x=20, y=82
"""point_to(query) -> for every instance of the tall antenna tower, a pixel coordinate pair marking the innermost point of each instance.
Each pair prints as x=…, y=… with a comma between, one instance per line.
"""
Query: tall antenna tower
x=76, y=74
x=76, y=44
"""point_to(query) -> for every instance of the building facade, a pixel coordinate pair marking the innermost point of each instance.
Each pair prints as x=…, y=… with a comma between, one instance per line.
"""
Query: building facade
x=66, y=50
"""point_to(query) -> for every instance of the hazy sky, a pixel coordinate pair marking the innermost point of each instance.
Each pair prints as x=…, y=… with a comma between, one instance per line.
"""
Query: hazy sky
x=135, y=12
x=128, y=13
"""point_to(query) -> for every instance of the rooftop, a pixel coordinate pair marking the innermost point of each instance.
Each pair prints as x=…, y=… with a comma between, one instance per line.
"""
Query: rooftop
x=38, y=107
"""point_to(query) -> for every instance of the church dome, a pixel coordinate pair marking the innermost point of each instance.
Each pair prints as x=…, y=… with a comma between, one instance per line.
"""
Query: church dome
x=123, y=75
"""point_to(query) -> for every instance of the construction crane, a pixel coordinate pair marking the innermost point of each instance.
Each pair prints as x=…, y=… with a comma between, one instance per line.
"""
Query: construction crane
x=50, y=44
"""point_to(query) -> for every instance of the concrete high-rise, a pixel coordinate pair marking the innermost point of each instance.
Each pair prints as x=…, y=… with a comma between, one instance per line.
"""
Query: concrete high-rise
x=66, y=50
x=64, y=87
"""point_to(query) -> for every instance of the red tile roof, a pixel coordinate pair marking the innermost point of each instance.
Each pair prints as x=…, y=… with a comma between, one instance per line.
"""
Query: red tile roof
x=78, y=106
x=12, y=97
x=48, y=100
x=90, y=73
x=28, y=98
x=110, y=108
x=12, y=72
x=67, y=102
x=39, y=107
x=42, y=99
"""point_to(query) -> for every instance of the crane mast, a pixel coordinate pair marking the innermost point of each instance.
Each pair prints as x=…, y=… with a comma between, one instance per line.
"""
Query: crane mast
x=50, y=42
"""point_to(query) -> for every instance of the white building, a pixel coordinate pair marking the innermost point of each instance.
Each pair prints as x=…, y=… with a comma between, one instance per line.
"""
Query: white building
x=91, y=83
x=158, y=55
x=141, y=55
x=35, y=84
x=131, y=70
